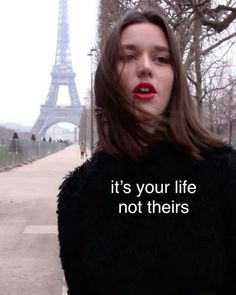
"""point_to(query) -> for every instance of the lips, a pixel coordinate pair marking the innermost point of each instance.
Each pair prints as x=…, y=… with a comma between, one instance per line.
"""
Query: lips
x=144, y=91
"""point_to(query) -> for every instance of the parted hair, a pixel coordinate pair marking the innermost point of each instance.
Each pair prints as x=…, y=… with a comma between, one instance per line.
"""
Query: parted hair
x=120, y=131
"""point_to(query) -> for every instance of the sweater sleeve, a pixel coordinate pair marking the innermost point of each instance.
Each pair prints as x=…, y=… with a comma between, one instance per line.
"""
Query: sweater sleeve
x=73, y=215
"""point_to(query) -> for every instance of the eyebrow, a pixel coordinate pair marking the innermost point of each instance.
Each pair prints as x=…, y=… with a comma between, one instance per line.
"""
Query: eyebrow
x=133, y=47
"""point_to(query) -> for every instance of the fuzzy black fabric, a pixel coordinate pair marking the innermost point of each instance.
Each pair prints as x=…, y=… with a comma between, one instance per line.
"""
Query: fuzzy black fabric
x=105, y=252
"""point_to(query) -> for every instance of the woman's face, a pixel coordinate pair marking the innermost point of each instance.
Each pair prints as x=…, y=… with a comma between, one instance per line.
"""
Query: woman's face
x=144, y=67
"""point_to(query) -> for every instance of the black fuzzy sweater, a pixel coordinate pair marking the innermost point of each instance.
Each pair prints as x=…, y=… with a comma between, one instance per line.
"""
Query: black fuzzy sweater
x=183, y=243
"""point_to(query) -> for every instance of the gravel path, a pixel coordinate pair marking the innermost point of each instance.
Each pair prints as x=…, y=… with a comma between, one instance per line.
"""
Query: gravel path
x=29, y=260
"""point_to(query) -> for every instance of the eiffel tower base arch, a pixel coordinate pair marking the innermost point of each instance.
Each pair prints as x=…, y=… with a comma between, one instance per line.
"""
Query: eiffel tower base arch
x=53, y=115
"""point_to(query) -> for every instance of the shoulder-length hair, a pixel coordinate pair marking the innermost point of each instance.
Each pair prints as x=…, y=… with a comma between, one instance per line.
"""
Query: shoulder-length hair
x=120, y=132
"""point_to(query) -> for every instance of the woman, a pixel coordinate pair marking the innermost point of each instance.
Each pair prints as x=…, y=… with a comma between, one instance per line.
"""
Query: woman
x=154, y=210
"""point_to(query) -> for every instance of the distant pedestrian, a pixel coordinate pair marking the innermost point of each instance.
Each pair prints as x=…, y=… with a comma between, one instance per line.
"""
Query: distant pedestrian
x=82, y=150
x=14, y=146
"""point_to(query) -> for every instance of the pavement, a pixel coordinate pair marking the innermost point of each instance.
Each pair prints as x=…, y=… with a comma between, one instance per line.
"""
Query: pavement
x=29, y=254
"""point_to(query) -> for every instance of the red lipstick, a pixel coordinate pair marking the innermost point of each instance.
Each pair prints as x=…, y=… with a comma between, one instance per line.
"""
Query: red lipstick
x=144, y=91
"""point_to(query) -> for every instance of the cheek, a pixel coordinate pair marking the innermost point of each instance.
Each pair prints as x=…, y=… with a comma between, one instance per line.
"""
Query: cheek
x=124, y=77
x=119, y=69
x=168, y=83
x=172, y=80
x=121, y=73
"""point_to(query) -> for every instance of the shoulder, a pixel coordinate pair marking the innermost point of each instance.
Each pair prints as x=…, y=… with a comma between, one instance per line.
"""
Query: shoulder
x=220, y=164
x=85, y=179
x=223, y=158
x=75, y=180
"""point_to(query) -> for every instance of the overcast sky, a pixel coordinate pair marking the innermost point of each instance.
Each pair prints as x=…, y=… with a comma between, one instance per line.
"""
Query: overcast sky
x=28, y=30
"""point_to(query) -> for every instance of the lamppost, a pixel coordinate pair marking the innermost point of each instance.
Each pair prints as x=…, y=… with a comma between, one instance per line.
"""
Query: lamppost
x=85, y=120
x=92, y=50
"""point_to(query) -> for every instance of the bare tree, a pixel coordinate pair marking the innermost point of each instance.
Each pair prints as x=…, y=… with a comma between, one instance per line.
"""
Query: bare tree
x=220, y=102
x=202, y=27
x=109, y=12
x=5, y=133
x=231, y=108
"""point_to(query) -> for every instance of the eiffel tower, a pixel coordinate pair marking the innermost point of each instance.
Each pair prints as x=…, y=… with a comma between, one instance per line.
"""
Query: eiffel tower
x=62, y=74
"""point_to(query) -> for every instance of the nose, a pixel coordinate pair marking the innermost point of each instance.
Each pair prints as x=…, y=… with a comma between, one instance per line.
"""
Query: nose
x=144, y=67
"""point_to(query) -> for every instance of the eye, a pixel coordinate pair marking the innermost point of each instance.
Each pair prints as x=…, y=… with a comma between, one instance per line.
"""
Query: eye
x=162, y=60
x=127, y=56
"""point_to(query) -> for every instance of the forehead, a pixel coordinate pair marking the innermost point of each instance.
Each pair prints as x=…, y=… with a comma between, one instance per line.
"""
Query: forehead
x=143, y=33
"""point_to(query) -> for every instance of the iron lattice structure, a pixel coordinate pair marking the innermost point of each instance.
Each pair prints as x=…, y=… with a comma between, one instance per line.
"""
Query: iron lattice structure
x=62, y=74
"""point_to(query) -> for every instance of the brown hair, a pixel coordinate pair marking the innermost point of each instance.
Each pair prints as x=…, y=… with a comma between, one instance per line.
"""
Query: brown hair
x=120, y=132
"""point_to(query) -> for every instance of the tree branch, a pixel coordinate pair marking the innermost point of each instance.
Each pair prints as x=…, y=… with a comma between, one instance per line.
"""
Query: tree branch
x=219, y=26
x=205, y=51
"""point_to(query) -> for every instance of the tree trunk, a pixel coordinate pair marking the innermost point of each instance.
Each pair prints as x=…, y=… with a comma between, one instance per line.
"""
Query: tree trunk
x=197, y=50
